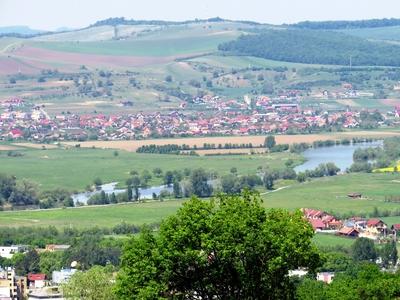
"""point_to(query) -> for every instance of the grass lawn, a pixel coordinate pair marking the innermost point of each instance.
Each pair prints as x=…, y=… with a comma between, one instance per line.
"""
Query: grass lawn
x=330, y=193
x=90, y=216
x=331, y=240
x=76, y=168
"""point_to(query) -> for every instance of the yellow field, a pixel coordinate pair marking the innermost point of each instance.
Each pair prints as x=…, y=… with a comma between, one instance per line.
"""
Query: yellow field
x=389, y=169
x=7, y=148
x=255, y=140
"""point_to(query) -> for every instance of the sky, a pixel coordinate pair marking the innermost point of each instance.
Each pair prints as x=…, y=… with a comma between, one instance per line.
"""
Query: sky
x=53, y=14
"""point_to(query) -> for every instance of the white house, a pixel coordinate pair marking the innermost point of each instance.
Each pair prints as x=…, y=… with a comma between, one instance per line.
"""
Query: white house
x=9, y=251
x=63, y=275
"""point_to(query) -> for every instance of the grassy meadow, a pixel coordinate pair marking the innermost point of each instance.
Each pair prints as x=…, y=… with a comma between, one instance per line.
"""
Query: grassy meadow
x=326, y=194
x=75, y=168
x=331, y=240
x=330, y=193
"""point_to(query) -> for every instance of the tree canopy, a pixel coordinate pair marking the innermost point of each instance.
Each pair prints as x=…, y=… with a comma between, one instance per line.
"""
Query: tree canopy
x=226, y=248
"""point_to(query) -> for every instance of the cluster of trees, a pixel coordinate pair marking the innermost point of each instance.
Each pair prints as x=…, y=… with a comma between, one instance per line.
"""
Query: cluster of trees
x=88, y=247
x=163, y=149
x=17, y=193
x=41, y=236
x=357, y=275
x=233, y=184
x=177, y=149
x=185, y=183
x=328, y=169
x=370, y=120
x=365, y=160
x=314, y=47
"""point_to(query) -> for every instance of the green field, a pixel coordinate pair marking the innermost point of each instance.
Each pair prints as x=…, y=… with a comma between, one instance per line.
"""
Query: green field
x=330, y=193
x=89, y=216
x=320, y=193
x=156, y=47
x=331, y=240
x=75, y=168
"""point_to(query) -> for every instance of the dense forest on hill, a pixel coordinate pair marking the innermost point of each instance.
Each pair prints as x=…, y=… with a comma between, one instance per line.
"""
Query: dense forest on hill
x=314, y=47
x=333, y=25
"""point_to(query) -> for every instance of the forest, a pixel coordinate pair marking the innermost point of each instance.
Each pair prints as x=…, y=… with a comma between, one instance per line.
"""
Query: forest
x=314, y=47
x=373, y=23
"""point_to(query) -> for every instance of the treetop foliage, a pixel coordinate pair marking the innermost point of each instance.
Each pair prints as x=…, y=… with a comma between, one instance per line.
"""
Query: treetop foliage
x=227, y=248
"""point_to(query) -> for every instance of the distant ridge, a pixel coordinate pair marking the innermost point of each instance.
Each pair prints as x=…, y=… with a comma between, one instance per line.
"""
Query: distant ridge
x=333, y=25
x=123, y=21
x=22, y=30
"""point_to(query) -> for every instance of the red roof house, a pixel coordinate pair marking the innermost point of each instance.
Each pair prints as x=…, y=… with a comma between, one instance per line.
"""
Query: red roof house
x=36, y=280
x=317, y=224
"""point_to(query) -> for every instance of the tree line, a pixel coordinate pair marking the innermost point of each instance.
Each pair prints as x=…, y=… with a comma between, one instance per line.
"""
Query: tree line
x=178, y=149
x=367, y=159
x=18, y=193
x=334, y=25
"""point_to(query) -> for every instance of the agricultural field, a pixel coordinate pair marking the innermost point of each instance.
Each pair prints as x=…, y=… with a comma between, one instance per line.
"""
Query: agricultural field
x=255, y=140
x=74, y=168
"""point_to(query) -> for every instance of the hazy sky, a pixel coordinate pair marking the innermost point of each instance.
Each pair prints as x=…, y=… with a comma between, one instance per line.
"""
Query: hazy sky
x=52, y=14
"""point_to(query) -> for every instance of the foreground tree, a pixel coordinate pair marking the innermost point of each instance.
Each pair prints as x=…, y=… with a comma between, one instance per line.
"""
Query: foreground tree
x=95, y=284
x=228, y=248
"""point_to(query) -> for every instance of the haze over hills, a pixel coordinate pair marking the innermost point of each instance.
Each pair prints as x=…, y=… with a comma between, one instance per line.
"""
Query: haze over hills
x=19, y=30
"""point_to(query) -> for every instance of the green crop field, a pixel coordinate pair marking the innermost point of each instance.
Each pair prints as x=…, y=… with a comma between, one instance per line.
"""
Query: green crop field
x=330, y=193
x=75, y=168
x=89, y=216
x=156, y=47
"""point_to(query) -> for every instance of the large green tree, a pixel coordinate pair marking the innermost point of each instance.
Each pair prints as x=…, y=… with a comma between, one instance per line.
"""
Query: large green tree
x=363, y=249
x=94, y=284
x=228, y=248
x=269, y=142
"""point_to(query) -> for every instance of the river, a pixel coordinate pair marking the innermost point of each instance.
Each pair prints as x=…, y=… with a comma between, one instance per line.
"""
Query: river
x=340, y=155
x=109, y=188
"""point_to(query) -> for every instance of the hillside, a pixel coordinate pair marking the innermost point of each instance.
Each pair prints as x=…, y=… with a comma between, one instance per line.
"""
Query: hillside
x=314, y=47
x=387, y=34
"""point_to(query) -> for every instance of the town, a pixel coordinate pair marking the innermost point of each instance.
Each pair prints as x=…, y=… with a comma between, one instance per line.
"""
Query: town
x=261, y=116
